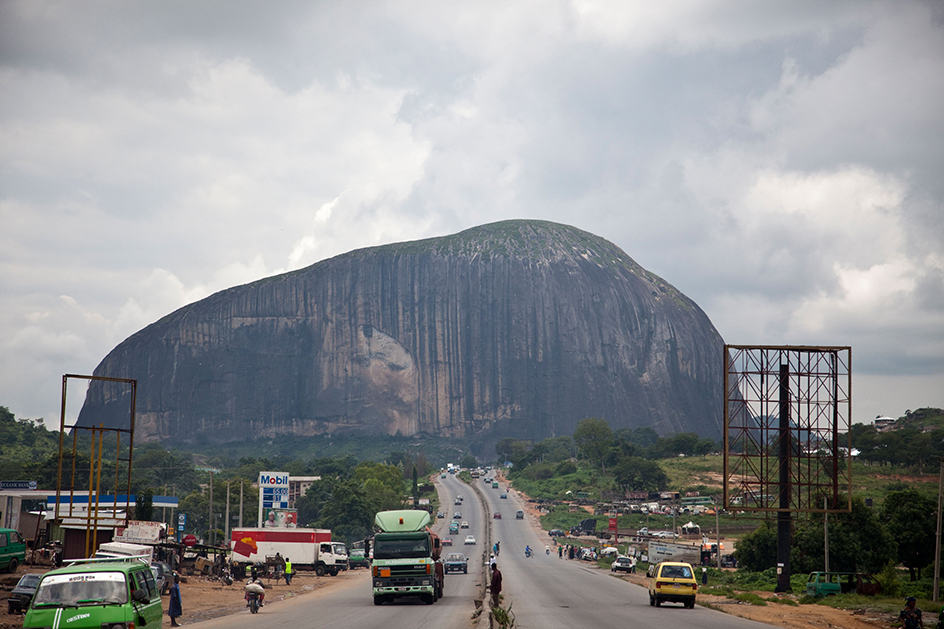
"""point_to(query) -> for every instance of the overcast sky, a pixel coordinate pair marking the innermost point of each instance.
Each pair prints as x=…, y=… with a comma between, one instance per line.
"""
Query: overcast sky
x=781, y=163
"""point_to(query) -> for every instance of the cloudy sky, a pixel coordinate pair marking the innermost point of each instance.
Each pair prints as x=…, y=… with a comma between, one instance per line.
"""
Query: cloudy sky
x=781, y=163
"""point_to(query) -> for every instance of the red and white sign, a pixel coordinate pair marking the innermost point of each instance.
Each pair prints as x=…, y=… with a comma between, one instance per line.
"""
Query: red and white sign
x=190, y=540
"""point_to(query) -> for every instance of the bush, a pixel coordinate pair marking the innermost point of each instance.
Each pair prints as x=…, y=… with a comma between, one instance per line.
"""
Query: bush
x=565, y=467
x=888, y=579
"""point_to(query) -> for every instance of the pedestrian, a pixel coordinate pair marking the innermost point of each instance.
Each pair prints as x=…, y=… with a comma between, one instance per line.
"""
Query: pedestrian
x=491, y=561
x=570, y=552
x=704, y=576
x=175, y=608
x=910, y=616
x=560, y=552
x=288, y=571
x=496, y=584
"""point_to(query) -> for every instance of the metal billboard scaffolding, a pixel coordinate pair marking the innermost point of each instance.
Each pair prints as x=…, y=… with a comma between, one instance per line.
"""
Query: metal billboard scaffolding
x=787, y=420
x=95, y=511
x=787, y=435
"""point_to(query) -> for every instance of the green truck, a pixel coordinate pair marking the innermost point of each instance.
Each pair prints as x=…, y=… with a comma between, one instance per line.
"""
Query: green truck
x=406, y=558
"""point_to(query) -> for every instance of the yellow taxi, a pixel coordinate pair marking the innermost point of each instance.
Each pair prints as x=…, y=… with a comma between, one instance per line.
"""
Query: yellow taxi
x=672, y=581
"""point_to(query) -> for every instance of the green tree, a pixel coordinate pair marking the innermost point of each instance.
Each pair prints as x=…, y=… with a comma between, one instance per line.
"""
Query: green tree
x=144, y=505
x=469, y=462
x=634, y=473
x=594, y=437
x=858, y=542
x=757, y=550
x=347, y=512
x=910, y=518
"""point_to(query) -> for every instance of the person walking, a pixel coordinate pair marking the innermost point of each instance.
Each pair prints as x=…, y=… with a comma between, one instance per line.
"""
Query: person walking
x=496, y=584
x=910, y=616
x=175, y=608
x=560, y=552
x=288, y=571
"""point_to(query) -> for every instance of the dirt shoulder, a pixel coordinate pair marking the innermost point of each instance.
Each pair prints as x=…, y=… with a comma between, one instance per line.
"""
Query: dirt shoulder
x=204, y=599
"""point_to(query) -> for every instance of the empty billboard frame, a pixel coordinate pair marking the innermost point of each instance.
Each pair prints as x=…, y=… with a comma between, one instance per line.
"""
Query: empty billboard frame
x=787, y=420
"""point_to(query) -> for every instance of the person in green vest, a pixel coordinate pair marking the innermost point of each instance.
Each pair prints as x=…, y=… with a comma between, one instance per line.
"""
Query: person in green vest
x=288, y=571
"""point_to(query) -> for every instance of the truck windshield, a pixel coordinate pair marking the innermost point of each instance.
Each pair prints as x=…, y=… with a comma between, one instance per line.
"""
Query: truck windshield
x=340, y=550
x=73, y=590
x=397, y=548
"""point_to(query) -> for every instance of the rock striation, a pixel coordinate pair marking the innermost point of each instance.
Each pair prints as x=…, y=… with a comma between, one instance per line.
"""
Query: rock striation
x=518, y=328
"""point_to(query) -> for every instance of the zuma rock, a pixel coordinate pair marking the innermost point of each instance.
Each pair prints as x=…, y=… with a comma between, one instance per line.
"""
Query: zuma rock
x=517, y=328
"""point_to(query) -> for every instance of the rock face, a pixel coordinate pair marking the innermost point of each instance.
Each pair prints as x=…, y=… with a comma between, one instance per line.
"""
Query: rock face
x=517, y=328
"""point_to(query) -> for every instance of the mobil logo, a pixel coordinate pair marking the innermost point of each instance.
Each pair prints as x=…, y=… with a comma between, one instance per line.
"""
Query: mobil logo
x=273, y=479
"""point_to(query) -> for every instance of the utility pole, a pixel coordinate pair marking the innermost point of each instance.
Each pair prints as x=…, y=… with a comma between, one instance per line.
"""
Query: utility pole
x=826, y=528
x=226, y=527
x=937, y=541
x=718, y=534
x=784, y=517
x=240, y=503
x=212, y=536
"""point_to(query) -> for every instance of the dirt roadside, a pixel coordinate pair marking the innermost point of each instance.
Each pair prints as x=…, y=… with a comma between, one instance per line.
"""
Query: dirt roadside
x=203, y=598
x=779, y=615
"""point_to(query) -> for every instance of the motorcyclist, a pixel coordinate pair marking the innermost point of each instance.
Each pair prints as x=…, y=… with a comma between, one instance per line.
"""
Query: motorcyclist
x=527, y=551
x=254, y=579
x=547, y=549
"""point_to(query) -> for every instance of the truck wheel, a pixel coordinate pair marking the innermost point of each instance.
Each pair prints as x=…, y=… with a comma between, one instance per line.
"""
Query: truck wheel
x=378, y=600
x=428, y=599
x=320, y=570
x=334, y=572
x=13, y=565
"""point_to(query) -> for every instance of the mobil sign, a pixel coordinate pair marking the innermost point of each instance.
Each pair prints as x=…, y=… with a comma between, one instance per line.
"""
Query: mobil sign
x=273, y=490
x=273, y=479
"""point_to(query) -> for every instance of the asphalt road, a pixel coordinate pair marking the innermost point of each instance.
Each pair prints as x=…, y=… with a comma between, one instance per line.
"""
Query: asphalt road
x=352, y=607
x=544, y=592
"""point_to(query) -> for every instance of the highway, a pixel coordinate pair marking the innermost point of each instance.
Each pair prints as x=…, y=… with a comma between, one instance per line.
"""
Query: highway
x=544, y=592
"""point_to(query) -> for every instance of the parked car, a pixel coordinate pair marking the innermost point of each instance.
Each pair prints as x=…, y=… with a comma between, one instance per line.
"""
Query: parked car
x=456, y=562
x=622, y=564
x=357, y=559
x=497, y=515
x=22, y=593
x=464, y=525
x=519, y=515
x=163, y=576
x=557, y=533
x=469, y=540
x=672, y=581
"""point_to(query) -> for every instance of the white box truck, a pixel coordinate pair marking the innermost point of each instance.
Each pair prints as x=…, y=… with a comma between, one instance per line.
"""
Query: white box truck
x=309, y=549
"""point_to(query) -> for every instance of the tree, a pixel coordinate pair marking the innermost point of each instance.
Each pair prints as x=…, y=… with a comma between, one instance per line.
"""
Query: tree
x=593, y=437
x=858, y=542
x=468, y=462
x=757, y=550
x=144, y=505
x=910, y=518
x=634, y=473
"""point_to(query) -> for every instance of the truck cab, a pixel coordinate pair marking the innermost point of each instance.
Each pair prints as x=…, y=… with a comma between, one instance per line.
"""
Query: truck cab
x=406, y=558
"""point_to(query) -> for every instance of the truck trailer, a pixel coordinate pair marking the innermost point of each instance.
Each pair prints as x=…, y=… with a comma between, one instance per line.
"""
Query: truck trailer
x=309, y=549
x=406, y=558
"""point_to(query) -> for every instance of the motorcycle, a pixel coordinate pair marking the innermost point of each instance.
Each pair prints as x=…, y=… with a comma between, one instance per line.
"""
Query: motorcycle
x=254, y=602
x=528, y=553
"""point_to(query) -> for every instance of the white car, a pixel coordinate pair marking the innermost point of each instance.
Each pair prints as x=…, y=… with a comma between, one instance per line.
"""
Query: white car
x=464, y=525
x=470, y=539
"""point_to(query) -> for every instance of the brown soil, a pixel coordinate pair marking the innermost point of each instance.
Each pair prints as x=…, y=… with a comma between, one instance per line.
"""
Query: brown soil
x=203, y=598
